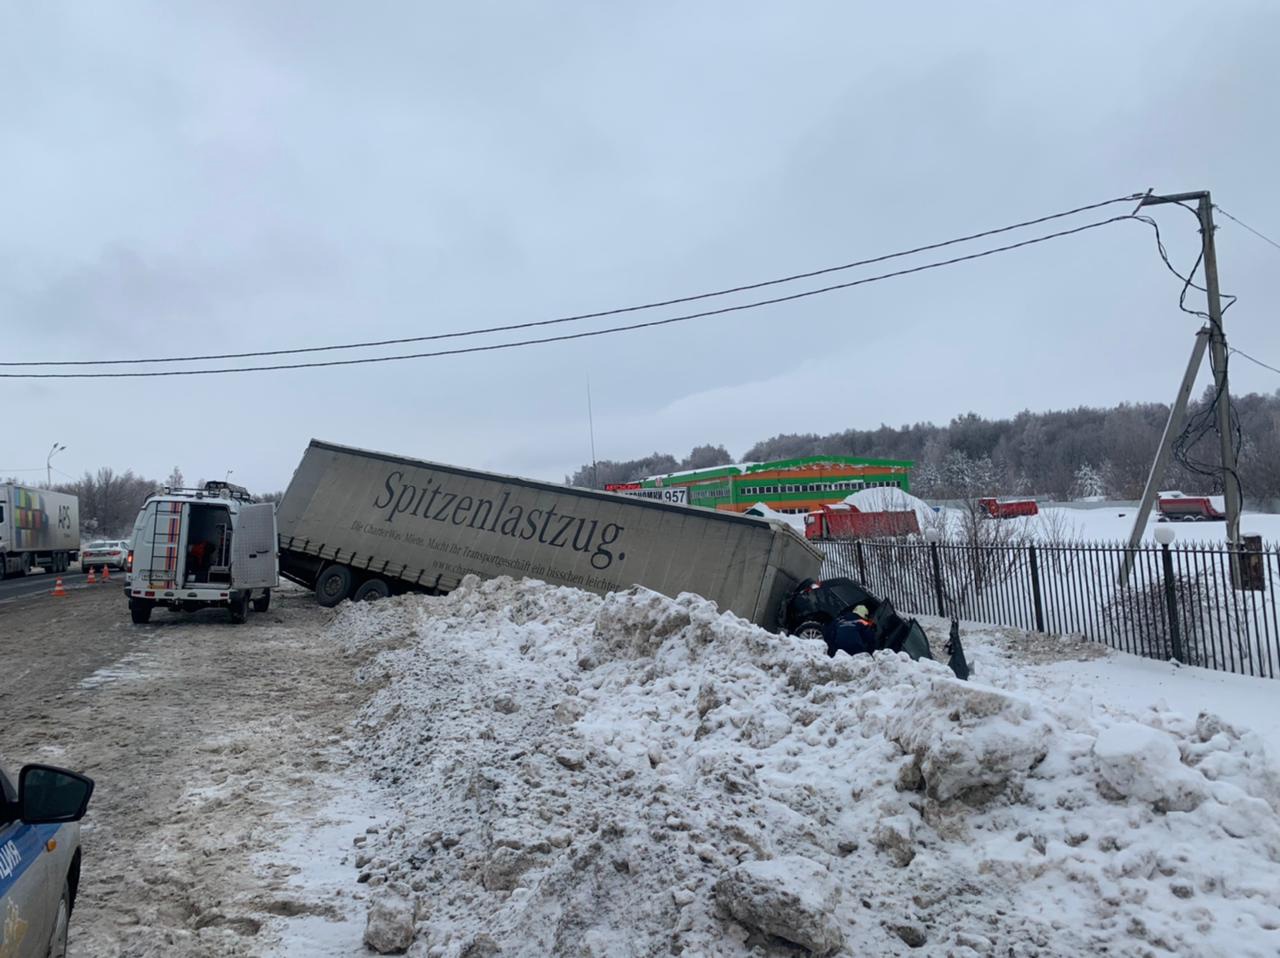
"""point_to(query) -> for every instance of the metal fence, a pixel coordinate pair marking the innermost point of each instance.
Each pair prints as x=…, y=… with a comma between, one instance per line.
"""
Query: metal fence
x=1203, y=605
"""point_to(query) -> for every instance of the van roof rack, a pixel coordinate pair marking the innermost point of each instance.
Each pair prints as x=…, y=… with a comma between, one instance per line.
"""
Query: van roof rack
x=214, y=489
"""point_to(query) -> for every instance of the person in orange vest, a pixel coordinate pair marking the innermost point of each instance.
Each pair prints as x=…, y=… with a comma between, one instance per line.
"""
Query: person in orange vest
x=852, y=635
x=199, y=555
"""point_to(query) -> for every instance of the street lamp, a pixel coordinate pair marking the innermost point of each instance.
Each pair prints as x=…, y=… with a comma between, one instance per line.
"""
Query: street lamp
x=48, y=463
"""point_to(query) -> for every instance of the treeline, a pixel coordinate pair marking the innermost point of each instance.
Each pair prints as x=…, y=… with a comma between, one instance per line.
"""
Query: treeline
x=1067, y=454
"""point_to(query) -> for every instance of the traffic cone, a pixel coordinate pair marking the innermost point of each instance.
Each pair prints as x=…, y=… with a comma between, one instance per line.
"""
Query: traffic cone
x=106, y=574
x=92, y=580
x=58, y=590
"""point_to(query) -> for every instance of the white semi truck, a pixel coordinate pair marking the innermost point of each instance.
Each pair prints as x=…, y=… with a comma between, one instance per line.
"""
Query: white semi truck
x=358, y=524
x=38, y=527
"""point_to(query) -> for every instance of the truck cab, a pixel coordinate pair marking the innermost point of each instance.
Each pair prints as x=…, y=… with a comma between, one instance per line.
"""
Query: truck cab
x=198, y=548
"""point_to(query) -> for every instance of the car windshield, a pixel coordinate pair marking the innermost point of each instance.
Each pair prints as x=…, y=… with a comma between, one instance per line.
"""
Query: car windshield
x=96, y=545
x=848, y=593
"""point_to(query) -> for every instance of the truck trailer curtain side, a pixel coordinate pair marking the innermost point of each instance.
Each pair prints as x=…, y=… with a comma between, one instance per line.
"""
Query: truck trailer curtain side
x=412, y=523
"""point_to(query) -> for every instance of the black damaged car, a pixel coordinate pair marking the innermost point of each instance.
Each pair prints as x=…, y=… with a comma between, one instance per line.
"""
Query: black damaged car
x=822, y=609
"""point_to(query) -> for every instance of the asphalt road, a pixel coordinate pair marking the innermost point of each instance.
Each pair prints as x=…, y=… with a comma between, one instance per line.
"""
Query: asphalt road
x=223, y=820
x=39, y=582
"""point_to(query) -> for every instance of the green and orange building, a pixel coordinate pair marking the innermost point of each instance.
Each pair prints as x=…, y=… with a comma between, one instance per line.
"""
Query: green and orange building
x=785, y=485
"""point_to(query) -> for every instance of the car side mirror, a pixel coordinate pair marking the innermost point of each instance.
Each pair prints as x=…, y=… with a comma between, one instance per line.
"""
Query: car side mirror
x=48, y=795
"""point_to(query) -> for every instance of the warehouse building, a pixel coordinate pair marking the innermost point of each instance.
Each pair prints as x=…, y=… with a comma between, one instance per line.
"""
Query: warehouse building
x=785, y=485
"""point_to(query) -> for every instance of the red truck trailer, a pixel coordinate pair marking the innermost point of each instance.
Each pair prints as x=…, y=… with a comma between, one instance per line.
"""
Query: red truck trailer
x=844, y=521
x=1008, y=508
x=1180, y=508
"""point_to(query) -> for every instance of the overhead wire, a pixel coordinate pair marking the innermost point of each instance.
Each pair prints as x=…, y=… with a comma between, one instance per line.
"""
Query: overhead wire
x=746, y=287
x=1252, y=359
x=1261, y=236
x=584, y=334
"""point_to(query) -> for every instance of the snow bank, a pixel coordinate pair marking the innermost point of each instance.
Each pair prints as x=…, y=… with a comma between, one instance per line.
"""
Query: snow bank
x=637, y=775
x=891, y=499
x=793, y=520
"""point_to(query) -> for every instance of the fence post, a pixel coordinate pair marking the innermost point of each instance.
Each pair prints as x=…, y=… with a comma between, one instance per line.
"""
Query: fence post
x=1171, y=602
x=1035, y=589
x=937, y=578
x=862, y=564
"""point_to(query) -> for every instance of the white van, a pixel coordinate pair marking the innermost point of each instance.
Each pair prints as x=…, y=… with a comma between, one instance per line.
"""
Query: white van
x=194, y=548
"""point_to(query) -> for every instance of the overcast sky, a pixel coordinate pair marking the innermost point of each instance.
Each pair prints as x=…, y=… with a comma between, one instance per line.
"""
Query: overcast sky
x=205, y=178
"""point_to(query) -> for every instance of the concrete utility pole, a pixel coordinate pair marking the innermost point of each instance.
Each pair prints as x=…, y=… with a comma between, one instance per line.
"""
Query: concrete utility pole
x=1218, y=362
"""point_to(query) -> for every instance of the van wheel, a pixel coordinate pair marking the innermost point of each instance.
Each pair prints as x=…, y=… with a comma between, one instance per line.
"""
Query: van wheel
x=140, y=611
x=371, y=589
x=262, y=602
x=239, y=608
x=333, y=585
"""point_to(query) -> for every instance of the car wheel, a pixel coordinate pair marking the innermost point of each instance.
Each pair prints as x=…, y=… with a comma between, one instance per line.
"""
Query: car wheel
x=333, y=585
x=371, y=589
x=140, y=611
x=262, y=602
x=58, y=940
x=809, y=629
x=239, y=608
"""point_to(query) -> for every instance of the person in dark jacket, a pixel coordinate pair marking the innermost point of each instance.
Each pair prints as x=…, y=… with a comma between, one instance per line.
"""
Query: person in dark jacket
x=852, y=635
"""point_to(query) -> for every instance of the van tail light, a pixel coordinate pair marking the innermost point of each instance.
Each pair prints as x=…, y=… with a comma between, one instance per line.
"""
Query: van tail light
x=128, y=563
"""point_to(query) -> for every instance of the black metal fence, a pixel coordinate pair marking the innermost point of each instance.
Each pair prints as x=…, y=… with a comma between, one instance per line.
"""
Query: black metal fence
x=1204, y=605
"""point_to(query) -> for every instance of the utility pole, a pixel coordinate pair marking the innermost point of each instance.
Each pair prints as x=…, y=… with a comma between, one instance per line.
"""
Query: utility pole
x=591, y=427
x=1217, y=359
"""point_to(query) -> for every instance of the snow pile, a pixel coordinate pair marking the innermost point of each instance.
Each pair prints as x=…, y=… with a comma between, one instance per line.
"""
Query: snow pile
x=637, y=775
x=794, y=520
x=891, y=499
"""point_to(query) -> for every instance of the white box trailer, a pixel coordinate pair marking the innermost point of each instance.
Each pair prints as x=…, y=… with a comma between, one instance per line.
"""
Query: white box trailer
x=38, y=527
x=360, y=524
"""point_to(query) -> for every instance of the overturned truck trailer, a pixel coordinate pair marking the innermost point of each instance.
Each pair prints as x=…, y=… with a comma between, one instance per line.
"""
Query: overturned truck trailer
x=358, y=524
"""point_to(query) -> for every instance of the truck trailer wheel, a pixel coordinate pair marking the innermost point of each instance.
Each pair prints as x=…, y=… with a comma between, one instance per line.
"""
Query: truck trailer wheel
x=262, y=602
x=371, y=589
x=140, y=611
x=333, y=585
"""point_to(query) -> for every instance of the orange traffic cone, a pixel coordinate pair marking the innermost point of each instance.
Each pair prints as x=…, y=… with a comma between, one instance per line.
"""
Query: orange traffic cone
x=58, y=590
x=106, y=575
x=92, y=580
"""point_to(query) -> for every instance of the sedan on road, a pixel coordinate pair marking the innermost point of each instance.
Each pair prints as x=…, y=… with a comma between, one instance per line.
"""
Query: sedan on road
x=39, y=858
x=112, y=552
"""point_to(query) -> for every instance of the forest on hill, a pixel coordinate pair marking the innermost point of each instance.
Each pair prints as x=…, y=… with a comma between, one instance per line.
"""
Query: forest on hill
x=1062, y=454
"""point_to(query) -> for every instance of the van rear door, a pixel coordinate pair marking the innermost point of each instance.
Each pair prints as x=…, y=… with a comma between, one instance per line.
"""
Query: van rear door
x=253, y=547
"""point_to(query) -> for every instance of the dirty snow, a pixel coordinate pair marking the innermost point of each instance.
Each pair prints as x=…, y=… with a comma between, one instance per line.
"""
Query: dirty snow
x=639, y=775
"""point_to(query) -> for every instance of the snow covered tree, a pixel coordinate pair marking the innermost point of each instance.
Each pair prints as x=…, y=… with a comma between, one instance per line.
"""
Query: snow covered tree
x=1089, y=483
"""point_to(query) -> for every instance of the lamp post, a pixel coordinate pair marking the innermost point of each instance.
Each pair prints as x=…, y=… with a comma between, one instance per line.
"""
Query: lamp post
x=48, y=463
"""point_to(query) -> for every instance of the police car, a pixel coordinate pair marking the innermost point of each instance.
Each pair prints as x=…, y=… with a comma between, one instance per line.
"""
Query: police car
x=39, y=859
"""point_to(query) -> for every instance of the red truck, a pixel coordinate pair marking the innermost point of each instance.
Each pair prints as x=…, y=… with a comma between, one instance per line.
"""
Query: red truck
x=1180, y=508
x=1008, y=508
x=844, y=521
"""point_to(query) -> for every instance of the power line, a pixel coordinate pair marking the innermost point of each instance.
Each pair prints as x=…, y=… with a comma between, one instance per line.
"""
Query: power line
x=583, y=316
x=1256, y=362
x=1260, y=236
x=585, y=334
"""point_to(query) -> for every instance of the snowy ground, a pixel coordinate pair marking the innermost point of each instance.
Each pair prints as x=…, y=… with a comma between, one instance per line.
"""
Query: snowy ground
x=1100, y=523
x=636, y=775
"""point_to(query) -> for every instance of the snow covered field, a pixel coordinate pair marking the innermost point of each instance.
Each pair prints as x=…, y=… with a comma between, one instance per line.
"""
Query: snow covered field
x=636, y=775
x=1071, y=524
